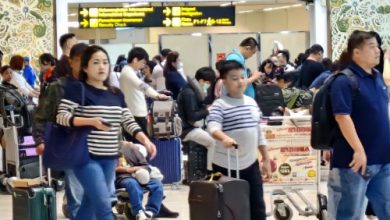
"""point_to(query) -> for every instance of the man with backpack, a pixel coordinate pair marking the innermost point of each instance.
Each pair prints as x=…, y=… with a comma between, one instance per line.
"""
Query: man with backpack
x=360, y=164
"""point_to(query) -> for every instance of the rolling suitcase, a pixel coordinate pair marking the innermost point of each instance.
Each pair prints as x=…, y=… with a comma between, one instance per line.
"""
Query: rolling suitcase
x=168, y=159
x=223, y=198
x=35, y=203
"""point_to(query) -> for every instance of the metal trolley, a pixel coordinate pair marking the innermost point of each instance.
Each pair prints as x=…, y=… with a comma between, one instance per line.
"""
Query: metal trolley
x=296, y=167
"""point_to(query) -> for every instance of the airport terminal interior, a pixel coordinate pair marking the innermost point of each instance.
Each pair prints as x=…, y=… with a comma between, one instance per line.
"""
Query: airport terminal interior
x=166, y=71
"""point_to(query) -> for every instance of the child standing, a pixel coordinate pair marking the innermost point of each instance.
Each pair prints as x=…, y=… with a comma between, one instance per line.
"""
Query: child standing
x=235, y=120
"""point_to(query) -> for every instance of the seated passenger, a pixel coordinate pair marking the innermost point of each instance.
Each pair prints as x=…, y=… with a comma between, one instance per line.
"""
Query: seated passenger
x=293, y=97
x=191, y=110
x=135, y=174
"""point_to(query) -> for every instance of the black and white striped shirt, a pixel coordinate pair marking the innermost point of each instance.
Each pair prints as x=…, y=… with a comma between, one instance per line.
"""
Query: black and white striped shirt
x=98, y=103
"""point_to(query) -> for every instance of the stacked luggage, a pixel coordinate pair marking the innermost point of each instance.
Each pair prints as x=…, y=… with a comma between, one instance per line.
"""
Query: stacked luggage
x=165, y=129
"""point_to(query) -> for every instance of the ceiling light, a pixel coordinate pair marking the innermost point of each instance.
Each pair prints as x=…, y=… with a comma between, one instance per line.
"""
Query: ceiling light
x=248, y=11
x=196, y=34
x=137, y=4
x=240, y=2
x=73, y=24
x=225, y=4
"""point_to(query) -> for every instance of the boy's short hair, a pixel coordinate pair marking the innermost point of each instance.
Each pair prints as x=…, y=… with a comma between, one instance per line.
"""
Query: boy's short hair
x=228, y=65
x=139, y=53
x=205, y=73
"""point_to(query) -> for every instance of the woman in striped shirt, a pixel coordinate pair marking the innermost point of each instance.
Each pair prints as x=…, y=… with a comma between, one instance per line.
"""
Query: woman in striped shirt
x=104, y=109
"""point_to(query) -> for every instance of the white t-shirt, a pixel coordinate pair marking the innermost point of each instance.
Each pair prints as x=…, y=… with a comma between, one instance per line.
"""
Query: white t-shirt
x=158, y=76
x=135, y=90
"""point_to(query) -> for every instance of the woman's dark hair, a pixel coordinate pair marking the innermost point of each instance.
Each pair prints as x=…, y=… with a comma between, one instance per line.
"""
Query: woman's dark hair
x=86, y=57
x=119, y=63
x=47, y=59
x=171, y=58
x=355, y=41
x=16, y=62
x=264, y=63
x=228, y=65
x=205, y=73
x=287, y=77
x=77, y=50
x=327, y=63
x=151, y=65
x=300, y=59
x=4, y=68
x=158, y=58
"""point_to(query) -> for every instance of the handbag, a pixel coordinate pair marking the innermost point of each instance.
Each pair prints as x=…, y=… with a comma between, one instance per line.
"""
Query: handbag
x=66, y=147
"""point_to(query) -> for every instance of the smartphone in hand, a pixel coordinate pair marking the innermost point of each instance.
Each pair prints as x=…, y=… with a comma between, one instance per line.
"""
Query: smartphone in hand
x=106, y=123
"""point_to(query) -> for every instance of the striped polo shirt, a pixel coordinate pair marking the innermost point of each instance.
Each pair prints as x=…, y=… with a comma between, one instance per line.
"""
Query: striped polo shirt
x=239, y=118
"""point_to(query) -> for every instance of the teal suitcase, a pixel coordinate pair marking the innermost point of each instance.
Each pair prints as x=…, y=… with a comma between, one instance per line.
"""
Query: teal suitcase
x=35, y=203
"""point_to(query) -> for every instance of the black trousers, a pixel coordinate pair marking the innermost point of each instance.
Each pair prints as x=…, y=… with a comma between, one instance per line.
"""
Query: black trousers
x=251, y=174
x=142, y=122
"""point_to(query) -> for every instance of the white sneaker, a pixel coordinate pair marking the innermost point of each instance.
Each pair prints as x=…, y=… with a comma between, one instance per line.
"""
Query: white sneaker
x=149, y=214
x=141, y=216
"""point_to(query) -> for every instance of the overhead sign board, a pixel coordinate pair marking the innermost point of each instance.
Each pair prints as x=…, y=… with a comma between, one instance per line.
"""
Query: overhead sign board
x=156, y=17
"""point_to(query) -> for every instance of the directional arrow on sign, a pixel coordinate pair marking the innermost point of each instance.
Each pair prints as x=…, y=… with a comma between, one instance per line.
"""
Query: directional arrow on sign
x=167, y=22
x=84, y=12
x=84, y=23
x=167, y=11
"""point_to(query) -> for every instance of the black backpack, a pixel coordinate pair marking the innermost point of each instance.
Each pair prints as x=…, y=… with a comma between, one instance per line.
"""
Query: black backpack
x=323, y=124
x=269, y=98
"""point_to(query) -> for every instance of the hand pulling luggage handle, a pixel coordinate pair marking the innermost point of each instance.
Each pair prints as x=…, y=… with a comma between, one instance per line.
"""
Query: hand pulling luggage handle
x=237, y=162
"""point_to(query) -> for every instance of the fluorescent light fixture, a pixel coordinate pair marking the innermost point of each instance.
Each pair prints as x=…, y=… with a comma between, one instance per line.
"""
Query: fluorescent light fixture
x=196, y=34
x=137, y=4
x=282, y=7
x=73, y=24
x=285, y=32
x=72, y=14
x=248, y=11
x=225, y=4
x=240, y=2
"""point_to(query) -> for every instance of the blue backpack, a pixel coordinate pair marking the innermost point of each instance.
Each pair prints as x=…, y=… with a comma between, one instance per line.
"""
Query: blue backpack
x=323, y=124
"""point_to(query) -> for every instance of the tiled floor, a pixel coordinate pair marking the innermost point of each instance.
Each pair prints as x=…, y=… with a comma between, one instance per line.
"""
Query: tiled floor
x=176, y=199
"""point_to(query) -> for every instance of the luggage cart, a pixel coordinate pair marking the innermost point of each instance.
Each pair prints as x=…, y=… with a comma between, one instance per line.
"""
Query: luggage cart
x=295, y=167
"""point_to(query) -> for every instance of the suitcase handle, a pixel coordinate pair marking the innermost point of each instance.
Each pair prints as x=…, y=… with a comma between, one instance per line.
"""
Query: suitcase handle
x=237, y=162
x=41, y=172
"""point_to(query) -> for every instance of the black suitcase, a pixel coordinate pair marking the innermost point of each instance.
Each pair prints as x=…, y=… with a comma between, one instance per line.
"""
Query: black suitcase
x=196, y=165
x=34, y=203
x=222, y=198
x=269, y=98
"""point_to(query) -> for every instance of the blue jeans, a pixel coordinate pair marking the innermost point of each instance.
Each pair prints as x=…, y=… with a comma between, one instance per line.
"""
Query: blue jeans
x=97, y=178
x=74, y=193
x=347, y=192
x=136, y=194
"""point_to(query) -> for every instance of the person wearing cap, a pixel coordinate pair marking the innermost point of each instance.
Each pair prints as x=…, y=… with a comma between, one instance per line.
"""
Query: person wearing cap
x=28, y=72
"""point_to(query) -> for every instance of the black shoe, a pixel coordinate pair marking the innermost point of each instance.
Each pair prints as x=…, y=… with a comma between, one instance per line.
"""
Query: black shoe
x=166, y=213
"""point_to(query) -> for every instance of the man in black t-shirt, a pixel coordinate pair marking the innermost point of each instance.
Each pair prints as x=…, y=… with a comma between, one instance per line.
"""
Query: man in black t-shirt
x=312, y=67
